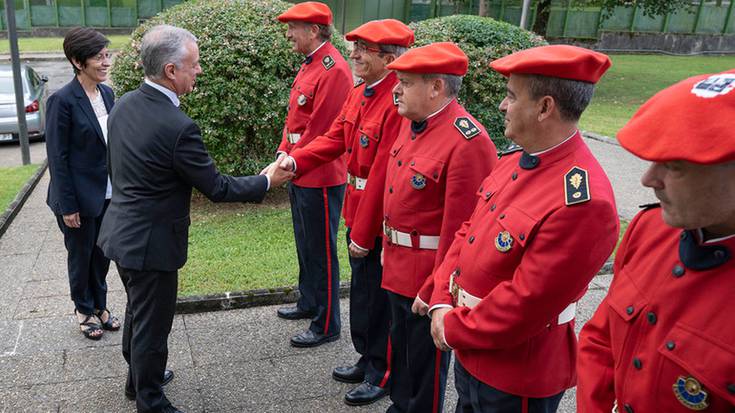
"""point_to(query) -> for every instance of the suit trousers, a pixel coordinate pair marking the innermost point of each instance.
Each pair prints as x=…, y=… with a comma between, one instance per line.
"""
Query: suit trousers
x=477, y=397
x=149, y=316
x=370, y=315
x=315, y=213
x=86, y=263
x=419, y=369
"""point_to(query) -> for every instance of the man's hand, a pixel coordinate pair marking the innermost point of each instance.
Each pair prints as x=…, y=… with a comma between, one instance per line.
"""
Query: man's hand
x=419, y=307
x=437, y=328
x=382, y=253
x=356, y=251
x=72, y=220
x=286, y=163
x=277, y=175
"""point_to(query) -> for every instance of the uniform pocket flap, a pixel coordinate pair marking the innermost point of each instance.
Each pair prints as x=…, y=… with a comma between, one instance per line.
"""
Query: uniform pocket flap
x=429, y=168
x=519, y=225
x=707, y=359
x=371, y=130
x=625, y=298
x=306, y=89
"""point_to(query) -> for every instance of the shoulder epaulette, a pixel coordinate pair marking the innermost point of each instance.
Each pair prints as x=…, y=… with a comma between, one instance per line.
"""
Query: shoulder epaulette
x=465, y=126
x=328, y=62
x=510, y=149
x=650, y=206
x=576, y=186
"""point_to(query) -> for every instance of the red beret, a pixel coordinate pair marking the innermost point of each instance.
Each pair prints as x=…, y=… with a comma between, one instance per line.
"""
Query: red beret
x=440, y=58
x=562, y=61
x=388, y=31
x=308, y=11
x=690, y=121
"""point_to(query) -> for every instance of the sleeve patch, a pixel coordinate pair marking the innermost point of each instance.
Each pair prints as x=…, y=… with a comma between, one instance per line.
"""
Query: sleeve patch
x=576, y=186
x=466, y=127
x=328, y=62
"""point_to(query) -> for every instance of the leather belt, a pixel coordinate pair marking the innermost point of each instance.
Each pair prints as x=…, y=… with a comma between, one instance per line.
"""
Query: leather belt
x=358, y=183
x=464, y=299
x=293, y=138
x=426, y=242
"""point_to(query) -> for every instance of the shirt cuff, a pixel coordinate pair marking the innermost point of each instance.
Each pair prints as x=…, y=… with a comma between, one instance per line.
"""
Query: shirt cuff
x=268, y=183
x=444, y=338
x=437, y=306
x=294, y=163
x=354, y=244
x=279, y=153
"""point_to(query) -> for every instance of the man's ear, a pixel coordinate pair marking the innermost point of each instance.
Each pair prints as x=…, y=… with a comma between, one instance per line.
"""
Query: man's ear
x=169, y=70
x=438, y=85
x=546, y=107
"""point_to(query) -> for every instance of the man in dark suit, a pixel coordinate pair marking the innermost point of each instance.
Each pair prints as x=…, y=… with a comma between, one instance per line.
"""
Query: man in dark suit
x=156, y=155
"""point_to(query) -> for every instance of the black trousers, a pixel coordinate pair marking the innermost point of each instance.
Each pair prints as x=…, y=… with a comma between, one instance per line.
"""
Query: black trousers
x=477, y=397
x=86, y=263
x=315, y=213
x=149, y=315
x=370, y=315
x=419, y=369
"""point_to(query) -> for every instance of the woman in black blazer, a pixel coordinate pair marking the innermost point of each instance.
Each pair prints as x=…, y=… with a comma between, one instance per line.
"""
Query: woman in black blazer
x=80, y=190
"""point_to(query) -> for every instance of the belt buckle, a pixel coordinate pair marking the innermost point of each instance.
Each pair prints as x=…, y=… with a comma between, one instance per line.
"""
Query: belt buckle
x=388, y=233
x=455, y=288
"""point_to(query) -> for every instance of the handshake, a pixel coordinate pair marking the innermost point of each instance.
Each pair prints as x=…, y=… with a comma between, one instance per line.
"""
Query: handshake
x=280, y=171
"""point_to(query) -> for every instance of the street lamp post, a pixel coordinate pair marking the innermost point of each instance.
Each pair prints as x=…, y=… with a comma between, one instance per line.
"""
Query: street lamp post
x=20, y=105
x=524, y=13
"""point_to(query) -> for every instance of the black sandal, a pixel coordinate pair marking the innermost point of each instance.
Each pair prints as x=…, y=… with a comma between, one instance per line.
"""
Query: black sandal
x=92, y=328
x=108, y=325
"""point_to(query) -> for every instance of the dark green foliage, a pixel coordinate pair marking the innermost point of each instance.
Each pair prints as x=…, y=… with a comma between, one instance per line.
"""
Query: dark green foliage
x=483, y=39
x=240, y=100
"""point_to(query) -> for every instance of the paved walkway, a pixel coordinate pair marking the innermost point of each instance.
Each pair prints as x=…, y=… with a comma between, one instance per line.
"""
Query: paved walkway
x=229, y=361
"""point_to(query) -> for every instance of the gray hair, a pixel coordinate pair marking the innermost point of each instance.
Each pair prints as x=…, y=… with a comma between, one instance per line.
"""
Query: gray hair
x=393, y=49
x=161, y=45
x=325, y=32
x=571, y=96
x=453, y=82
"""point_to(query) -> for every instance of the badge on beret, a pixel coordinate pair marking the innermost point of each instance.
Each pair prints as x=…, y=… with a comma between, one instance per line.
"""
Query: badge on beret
x=364, y=141
x=576, y=187
x=504, y=242
x=418, y=181
x=690, y=393
x=301, y=100
x=716, y=85
x=327, y=62
x=466, y=127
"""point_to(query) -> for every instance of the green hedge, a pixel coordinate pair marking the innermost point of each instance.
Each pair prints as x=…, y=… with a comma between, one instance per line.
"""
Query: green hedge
x=483, y=39
x=240, y=100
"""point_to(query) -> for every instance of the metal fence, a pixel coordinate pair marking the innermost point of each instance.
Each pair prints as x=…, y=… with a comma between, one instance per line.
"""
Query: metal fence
x=93, y=13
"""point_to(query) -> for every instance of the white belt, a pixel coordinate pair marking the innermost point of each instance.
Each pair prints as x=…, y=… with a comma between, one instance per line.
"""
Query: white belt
x=465, y=299
x=426, y=242
x=293, y=138
x=358, y=183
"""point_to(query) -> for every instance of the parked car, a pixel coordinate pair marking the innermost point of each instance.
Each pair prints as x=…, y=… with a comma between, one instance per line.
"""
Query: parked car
x=35, y=93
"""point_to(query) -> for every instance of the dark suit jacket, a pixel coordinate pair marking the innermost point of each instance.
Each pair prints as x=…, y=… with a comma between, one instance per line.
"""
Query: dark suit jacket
x=76, y=151
x=156, y=156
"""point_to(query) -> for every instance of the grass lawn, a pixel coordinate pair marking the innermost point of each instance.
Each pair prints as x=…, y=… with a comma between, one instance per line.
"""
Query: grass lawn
x=238, y=247
x=633, y=79
x=55, y=44
x=11, y=181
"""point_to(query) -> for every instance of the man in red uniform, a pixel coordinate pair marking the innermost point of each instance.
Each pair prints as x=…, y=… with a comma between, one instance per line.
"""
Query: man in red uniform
x=439, y=158
x=317, y=94
x=662, y=339
x=366, y=130
x=544, y=224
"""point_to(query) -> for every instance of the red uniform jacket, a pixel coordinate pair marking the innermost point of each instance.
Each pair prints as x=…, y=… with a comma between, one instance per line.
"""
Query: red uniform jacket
x=317, y=94
x=429, y=190
x=663, y=338
x=511, y=340
x=366, y=128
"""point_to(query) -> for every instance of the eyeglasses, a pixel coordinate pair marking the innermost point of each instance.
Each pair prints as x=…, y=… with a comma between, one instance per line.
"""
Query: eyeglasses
x=361, y=47
x=102, y=56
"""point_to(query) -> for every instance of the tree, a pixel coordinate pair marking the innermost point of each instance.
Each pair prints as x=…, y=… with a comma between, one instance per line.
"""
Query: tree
x=649, y=8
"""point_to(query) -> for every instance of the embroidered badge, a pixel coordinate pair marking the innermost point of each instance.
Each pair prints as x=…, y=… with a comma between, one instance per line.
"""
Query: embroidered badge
x=418, y=181
x=359, y=82
x=328, y=62
x=395, y=100
x=716, y=85
x=504, y=242
x=364, y=141
x=301, y=100
x=576, y=187
x=466, y=127
x=690, y=393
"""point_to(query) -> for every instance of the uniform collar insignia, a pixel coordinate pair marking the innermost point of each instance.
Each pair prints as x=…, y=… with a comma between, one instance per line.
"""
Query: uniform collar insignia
x=368, y=92
x=696, y=256
x=418, y=127
x=528, y=161
x=308, y=60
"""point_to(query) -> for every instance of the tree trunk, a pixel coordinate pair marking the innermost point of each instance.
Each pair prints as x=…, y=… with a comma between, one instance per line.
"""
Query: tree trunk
x=483, y=8
x=543, y=10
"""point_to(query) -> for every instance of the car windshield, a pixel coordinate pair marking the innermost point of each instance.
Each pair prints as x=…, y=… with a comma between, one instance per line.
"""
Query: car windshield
x=6, y=85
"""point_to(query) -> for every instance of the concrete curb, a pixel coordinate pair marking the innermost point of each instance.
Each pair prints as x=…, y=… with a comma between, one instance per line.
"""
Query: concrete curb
x=35, y=57
x=601, y=138
x=7, y=217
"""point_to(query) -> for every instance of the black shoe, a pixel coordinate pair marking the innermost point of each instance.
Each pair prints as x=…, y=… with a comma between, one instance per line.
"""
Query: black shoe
x=171, y=409
x=348, y=374
x=168, y=375
x=363, y=394
x=293, y=313
x=311, y=339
